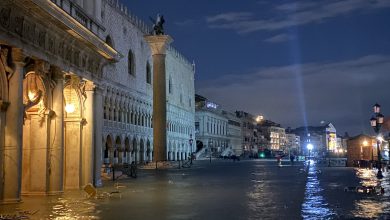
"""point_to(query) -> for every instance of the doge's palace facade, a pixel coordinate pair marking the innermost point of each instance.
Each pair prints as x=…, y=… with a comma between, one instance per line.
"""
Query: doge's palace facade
x=128, y=132
x=75, y=92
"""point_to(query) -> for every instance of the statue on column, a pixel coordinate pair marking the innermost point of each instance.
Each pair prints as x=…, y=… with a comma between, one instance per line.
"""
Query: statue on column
x=5, y=68
x=158, y=28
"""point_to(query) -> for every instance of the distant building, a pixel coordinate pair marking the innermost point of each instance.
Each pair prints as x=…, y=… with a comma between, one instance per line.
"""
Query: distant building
x=210, y=126
x=274, y=135
x=249, y=134
x=293, y=143
x=361, y=148
x=323, y=138
x=233, y=133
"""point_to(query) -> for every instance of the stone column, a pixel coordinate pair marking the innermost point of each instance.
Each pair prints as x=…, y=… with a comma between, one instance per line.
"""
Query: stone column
x=14, y=133
x=88, y=148
x=56, y=162
x=158, y=45
x=98, y=121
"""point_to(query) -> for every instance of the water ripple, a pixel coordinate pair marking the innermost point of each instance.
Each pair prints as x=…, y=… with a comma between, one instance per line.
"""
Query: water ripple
x=314, y=206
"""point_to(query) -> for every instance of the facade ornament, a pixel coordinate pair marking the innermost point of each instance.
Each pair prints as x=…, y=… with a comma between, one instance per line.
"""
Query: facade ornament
x=158, y=28
x=5, y=61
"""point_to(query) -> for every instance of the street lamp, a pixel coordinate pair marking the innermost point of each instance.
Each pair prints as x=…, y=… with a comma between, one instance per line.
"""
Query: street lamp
x=210, y=145
x=190, y=141
x=376, y=123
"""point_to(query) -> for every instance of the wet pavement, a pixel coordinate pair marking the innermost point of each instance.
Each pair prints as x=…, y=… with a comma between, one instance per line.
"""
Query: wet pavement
x=253, y=189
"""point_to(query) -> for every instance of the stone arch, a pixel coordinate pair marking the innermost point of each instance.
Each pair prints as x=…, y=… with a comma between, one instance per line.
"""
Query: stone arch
x=142, y=151
x=108, y=148
x=127, y=154
x=35, y=92
x=134, y=151
x=149, y=150
x=148, y=73
x=109, y=41
x=117, y=150
x=131, y=63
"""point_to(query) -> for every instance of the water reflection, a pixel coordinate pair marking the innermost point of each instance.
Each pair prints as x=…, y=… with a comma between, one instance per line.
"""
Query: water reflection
x=373, y=205
x=314, y=206
x=67, y=208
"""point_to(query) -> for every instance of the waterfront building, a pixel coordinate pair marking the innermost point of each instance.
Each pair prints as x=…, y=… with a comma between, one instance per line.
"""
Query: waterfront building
x=274, y=135
x=234, y=133
x=323, y=138
x=211, y=127
x=249, y=135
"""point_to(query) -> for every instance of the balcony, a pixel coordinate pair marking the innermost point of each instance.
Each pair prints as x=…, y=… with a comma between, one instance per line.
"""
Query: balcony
x=71, y=18
x=80, y=15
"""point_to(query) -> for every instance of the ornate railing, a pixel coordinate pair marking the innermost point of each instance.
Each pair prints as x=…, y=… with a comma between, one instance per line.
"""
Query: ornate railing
x=80, y=15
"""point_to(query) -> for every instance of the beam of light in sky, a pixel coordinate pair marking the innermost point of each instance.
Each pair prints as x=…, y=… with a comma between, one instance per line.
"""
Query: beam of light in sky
x=295, y=57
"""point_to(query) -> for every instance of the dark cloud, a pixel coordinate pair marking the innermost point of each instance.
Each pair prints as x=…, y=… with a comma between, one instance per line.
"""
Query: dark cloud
x=295, y=14
x=338, y=92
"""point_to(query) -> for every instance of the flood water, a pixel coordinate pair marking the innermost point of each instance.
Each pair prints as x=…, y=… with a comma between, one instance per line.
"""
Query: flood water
x=222, y=190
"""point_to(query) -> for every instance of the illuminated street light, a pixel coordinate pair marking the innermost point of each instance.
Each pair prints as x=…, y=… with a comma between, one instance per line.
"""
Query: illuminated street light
x=190, y=142
x=376, y=123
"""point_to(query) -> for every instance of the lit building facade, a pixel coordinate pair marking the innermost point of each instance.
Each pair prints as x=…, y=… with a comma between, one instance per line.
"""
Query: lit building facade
x=293, y=143
x=75, y=92
x=323, y=138
x=274, y=135
x=234, y=133
x=249, y=135
x=211, y=127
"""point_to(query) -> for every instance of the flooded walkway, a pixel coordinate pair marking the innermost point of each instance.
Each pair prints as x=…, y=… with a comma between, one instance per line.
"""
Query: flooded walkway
x=221, y=190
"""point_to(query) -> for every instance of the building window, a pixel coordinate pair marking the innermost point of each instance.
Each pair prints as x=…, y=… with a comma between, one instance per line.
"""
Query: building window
x=131, y=63
x=170, y=85
x=109, y=41
x=148, y=73
x=189, y=102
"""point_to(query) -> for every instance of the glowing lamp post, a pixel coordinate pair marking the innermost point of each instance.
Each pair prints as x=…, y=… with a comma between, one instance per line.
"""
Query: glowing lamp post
x=376, y=123
x=190, y=142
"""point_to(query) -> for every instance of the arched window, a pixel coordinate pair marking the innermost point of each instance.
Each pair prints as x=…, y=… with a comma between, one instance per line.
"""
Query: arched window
x=109, y=41
x=131, y=63
x=170, y=85
x=148, y=73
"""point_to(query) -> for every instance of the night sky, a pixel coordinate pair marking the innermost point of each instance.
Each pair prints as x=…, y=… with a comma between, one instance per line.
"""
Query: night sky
x=295, y=62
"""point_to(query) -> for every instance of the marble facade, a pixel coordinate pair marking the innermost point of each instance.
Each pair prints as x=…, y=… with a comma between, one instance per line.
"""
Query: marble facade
x=76, y=93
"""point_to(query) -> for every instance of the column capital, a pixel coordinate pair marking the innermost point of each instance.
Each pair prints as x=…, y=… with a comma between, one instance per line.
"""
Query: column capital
x=57, y=73
x=18, y=56
x=158, y=43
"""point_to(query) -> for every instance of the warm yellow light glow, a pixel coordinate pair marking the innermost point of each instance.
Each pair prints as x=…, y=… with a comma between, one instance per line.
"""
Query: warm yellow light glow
x=259, y=118
x=365, y=143
x=31, y=95
x=69, y=108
